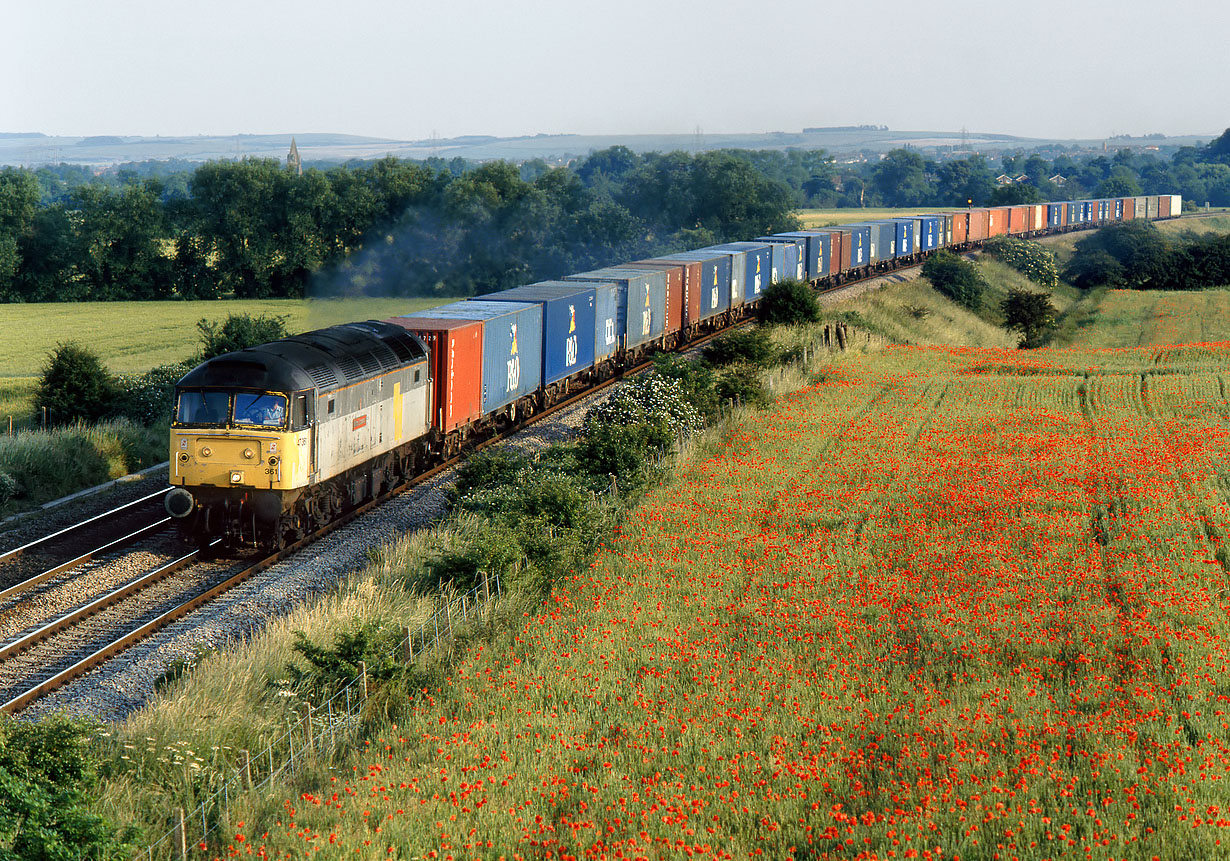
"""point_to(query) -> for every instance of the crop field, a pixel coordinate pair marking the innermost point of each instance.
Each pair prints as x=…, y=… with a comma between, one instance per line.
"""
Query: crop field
x=136, y=336
x=940, y=603
x=1128, y=318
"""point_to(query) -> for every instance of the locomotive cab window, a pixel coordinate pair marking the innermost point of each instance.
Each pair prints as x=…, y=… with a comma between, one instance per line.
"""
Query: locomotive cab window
x=266, y=410
x=299, y=418
x=202, y=407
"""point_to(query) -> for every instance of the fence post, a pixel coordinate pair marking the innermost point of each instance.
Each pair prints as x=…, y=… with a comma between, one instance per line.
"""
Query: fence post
x=180, y=838
x=363, y=677
x=247, y=769
x=486, y=588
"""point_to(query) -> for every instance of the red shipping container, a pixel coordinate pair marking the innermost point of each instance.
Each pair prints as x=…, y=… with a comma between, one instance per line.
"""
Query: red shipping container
x=840, y=250
x=1163, y=206
x=997, y=220
x=1018, y=219
x=979, y=220
x=456, y=350
x=1129, y=208
x=678, y=287
x=960, y=227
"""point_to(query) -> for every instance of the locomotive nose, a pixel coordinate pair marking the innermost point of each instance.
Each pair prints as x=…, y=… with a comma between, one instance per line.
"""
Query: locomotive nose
x=179, y=503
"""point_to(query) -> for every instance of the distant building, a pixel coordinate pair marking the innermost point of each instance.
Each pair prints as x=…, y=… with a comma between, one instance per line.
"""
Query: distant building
x=1003, y=179
x=293, y=160
x=1059, y=179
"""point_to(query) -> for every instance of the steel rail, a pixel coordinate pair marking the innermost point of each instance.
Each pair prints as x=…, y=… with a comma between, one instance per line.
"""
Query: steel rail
x=18, y=551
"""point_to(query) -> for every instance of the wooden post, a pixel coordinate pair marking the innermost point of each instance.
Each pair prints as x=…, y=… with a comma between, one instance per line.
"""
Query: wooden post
x=407, y=650
x=179, y=842
x=363, y=678
x=246, y=768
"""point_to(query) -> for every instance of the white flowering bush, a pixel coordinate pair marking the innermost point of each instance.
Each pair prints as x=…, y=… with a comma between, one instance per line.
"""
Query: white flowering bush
x=149, y=398
x=649, y=399
x=1027, y=257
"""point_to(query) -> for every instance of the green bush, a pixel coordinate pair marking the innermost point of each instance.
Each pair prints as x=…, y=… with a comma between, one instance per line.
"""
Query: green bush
x=74, y=386
x=149, y=398
x=696, y=382
x=477, y=546
x=492, y=468
x=742, y=385
x=750, y=346
x=1029, y=258
x=331, y=668
x=788, y=303
x=239, y=331
x=956, y=278
x=653, y=399
x=1031, y=314
x=47, y=770
x=622, y=450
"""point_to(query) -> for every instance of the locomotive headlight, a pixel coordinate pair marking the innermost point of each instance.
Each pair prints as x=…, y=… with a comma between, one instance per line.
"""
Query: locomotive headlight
x=248, y=453
x=183, y=457
x=273, y=460
x=236, y=476
x=207, y=451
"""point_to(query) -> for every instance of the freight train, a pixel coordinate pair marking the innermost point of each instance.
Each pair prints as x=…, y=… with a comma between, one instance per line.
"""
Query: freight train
x=270, y=442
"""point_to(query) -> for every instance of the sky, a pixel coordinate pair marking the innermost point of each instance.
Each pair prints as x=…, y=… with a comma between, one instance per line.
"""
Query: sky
x=411, y=69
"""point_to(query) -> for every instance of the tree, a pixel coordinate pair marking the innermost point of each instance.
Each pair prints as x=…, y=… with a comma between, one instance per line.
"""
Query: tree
x=967, y=179
x=74, y=386
x=901, y=178
x=787, y=303
x=1014, y=194
x=1121, y=183
x=238, y=332
x=1029, y=313
x=956, y=278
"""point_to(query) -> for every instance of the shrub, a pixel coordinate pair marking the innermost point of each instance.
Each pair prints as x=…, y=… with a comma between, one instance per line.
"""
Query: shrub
x=622, y=450
x=956, y=278
x=492, y=468
x=648, y=399
x=333, y=667
x=239, y=331
x=696, y=382
x=74, y=386
x=788, y=303
x=751, y=346
x=478, y=546
x=1093, y=268
x=1031, y=314
x=1029, y=258
x=149, y=398
x=8, y=488
x=742, y=384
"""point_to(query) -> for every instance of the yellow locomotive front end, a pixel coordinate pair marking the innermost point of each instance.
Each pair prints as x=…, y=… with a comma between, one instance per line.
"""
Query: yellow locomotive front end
x=239, y=461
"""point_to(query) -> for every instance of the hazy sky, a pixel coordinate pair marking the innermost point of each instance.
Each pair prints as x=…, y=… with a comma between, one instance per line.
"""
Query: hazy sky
x=407, y=69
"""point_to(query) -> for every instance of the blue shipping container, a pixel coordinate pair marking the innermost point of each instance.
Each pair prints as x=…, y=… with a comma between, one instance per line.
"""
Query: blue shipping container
x=903, y=245
x=567, y=322
x=813, y=267
x=714, y=279
x=881, y=240
x=1054, y=214
x=1074, y=212
x=756, y=266
x=930, y=229
x=642, y=301
x=512, y=346
x=606, y=314
x=794, y=253
x=777, y=260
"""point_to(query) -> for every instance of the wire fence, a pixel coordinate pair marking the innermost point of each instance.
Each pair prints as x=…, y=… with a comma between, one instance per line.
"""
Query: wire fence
x=321, y=730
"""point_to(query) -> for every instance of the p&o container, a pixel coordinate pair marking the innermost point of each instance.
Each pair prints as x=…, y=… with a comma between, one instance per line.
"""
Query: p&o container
x=568, y=312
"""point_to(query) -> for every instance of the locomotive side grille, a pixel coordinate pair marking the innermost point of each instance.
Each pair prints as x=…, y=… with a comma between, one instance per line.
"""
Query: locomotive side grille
x=400, y=345
x=322, y=376
x=350, y=367
x=386, y=357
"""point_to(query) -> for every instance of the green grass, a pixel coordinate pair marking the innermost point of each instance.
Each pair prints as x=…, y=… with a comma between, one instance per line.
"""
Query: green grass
x=1131, y=318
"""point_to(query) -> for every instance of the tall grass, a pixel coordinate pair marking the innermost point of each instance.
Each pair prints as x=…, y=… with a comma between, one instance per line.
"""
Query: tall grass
x=39, y=466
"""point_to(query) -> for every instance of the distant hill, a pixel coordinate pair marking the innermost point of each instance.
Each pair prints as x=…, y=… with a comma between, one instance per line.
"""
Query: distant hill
x=32, y=149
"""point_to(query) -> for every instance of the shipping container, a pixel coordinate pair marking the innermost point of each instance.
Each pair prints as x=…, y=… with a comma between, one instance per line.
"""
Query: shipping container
x=827, y=242
x=755, y=267
x=960, y=228
x=909, y=235
x=738, y=272
x=794, y=256
x=881, y=239
x=997, y=220
x=606, y=314
x=945, y=227
x=777, y=260
x=1141, y=209
x=512, y=346
x=930, y=233
x=1018, y=219
x=568, y=312
x=979, y=222
x=1055, y=215
x=1176, y=205
x=1037, y=218
x=811, y=251
x=714, y=279
x=1163, y=206
x=642, y=302
x=1073, y=210
x=455, y=351
x=689, y=305
x=676, y=287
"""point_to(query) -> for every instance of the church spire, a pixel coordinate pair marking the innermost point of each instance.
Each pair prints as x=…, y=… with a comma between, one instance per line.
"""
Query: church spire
x=293, y=160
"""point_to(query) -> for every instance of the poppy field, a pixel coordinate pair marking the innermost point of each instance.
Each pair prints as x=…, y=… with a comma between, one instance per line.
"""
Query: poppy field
x=941, y=603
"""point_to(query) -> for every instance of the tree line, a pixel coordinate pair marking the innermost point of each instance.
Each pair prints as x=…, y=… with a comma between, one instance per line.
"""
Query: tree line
x=252, y=229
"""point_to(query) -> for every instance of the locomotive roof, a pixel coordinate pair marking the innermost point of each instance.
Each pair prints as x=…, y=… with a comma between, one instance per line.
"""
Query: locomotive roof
x=325, y=359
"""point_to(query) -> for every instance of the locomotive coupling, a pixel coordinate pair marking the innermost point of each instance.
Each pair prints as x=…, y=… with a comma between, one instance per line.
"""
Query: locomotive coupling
x=179, y=502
